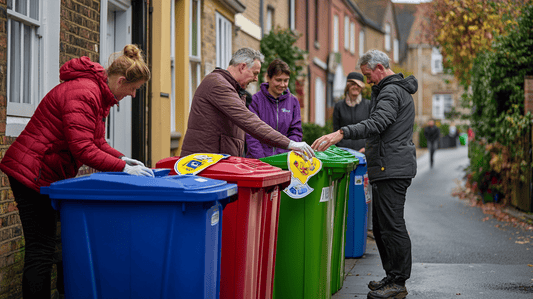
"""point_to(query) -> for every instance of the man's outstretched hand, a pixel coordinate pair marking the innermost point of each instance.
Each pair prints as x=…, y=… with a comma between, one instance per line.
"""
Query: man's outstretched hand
x=324, y=142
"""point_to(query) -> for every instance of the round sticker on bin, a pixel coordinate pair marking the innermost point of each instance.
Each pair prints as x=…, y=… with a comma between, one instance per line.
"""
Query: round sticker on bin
x=215, y=217
x=301, y=172
x=195, y=163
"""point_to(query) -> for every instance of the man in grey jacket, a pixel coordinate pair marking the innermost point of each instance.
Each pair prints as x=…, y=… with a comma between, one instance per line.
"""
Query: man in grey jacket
x=391, y=157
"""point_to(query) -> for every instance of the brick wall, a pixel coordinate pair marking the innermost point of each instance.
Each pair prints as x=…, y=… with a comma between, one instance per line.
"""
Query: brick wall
x=80, y=30
x=11, y=242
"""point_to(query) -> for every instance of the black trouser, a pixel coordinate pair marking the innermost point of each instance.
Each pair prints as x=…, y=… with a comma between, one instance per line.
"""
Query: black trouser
x=392, y=239
x=39, y=223
x=432, y=147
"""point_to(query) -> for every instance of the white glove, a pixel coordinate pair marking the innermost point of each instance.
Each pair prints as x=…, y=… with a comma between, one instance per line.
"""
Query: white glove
x=303, y=148
x=138, y=170
x=131, y=161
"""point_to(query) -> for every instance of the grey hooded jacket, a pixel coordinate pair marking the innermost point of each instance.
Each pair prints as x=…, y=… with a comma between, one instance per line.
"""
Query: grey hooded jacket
x=391, y=153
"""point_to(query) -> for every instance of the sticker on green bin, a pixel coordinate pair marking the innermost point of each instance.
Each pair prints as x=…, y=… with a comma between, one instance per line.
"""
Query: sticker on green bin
x=327, y=193
x=301, y=172
x=195, y=163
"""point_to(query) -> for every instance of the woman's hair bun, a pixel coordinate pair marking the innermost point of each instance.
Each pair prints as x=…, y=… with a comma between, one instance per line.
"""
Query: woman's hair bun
x=133, y=52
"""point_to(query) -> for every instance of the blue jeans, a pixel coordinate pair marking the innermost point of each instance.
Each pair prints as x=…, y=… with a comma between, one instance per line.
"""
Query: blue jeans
x=39, y=223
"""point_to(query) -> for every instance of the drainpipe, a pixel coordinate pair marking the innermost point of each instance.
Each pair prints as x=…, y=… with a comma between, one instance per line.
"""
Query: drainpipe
x=261, y=4
x=139, y=101
x=308, y=65
x=420, y=81
x=149, y=99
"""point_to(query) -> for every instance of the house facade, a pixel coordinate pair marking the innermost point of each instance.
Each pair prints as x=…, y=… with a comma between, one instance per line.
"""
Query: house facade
x=438, y=91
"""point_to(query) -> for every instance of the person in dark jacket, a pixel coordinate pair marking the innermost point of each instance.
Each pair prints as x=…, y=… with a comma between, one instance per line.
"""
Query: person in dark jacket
x=276, y=106
x=432, y=134
x=219, y=118
x=391, y=158
x=66, y=131
x=352, y=110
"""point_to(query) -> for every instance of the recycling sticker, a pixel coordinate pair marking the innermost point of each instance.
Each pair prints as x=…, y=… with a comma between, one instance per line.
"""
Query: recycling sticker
x=301, y=172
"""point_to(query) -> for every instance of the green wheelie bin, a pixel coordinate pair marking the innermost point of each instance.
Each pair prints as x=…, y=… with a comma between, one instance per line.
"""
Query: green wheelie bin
x=341, y=176
x=305, y=233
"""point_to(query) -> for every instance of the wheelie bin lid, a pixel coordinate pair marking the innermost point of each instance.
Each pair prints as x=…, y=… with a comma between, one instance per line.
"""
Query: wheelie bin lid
x=344, y=154
x=358, y=155
x=244, y=172
x=329, y=160
x=120, y=186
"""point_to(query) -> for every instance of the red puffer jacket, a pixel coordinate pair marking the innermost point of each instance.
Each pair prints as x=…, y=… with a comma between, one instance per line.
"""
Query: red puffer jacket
x=67, y=130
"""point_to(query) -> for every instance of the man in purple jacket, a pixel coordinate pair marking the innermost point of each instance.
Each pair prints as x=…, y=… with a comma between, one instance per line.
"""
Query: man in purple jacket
x=276, y=106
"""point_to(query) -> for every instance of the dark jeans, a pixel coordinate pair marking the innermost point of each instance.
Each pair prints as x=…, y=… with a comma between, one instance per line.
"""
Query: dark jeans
x=39, y=223
x=392, y=239
x=432, y=147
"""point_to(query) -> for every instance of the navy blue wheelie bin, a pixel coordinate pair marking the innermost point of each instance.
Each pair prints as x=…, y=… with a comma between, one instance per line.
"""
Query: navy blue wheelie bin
x=128, y=236
x=359, y=199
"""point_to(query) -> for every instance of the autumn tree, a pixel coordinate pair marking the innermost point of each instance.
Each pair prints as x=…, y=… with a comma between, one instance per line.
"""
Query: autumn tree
x=462, y=29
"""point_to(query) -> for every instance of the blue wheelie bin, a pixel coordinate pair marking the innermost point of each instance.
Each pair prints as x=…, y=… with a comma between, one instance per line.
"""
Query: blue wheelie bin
x=127, y=236
x=359, y=198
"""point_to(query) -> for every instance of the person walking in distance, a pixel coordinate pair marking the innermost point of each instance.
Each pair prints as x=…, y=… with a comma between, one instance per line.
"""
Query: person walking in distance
x=432, y=133
x=391, y=156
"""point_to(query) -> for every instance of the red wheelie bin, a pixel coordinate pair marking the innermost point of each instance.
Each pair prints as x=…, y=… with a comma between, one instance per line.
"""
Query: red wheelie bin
x=250, y=224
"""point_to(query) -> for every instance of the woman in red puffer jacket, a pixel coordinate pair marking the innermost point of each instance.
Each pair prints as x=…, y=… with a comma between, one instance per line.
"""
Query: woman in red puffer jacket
x=66, y=131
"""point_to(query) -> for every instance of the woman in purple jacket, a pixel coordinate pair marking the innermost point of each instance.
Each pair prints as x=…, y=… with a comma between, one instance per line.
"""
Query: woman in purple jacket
x=275, y=105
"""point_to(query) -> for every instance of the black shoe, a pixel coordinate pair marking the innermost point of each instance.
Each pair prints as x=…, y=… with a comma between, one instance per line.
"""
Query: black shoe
x=376, y=285
x=392, y=290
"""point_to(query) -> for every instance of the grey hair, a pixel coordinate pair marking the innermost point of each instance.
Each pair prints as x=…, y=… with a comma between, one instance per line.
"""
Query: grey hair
x=373, y=58
x=246, y=55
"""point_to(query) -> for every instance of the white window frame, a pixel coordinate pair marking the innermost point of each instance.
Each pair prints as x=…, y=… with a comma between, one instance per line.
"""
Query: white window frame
x=361, y=43
x=396, y=53
x=320, y=102
x=436, y=62
x=194, y=59
x=43, y=73
x=335, y=33
x=269, y=24
x=346, y=32
x=352, y=37
x=387, y=37
x=292, y=14
x=223, y=41
x=442, y=103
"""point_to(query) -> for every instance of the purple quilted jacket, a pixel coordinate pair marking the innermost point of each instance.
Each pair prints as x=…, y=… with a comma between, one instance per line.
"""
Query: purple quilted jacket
x=282, y=114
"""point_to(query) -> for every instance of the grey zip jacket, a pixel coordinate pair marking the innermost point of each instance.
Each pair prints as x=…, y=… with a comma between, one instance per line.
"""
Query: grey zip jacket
x=391, y=153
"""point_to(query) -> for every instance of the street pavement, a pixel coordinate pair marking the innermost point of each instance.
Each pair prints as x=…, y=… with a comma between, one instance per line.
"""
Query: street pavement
x=458, y=252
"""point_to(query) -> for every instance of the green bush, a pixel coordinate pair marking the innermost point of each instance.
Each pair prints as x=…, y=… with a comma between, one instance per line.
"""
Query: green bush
x=279, y=43
x=313, y=131
x=422, y=141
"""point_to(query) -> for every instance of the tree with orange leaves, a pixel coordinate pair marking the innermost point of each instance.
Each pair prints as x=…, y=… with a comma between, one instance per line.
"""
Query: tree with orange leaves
x=461, y=29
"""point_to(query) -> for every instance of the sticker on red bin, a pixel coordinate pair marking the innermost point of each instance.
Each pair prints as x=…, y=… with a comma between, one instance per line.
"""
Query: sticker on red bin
x=195, y=163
